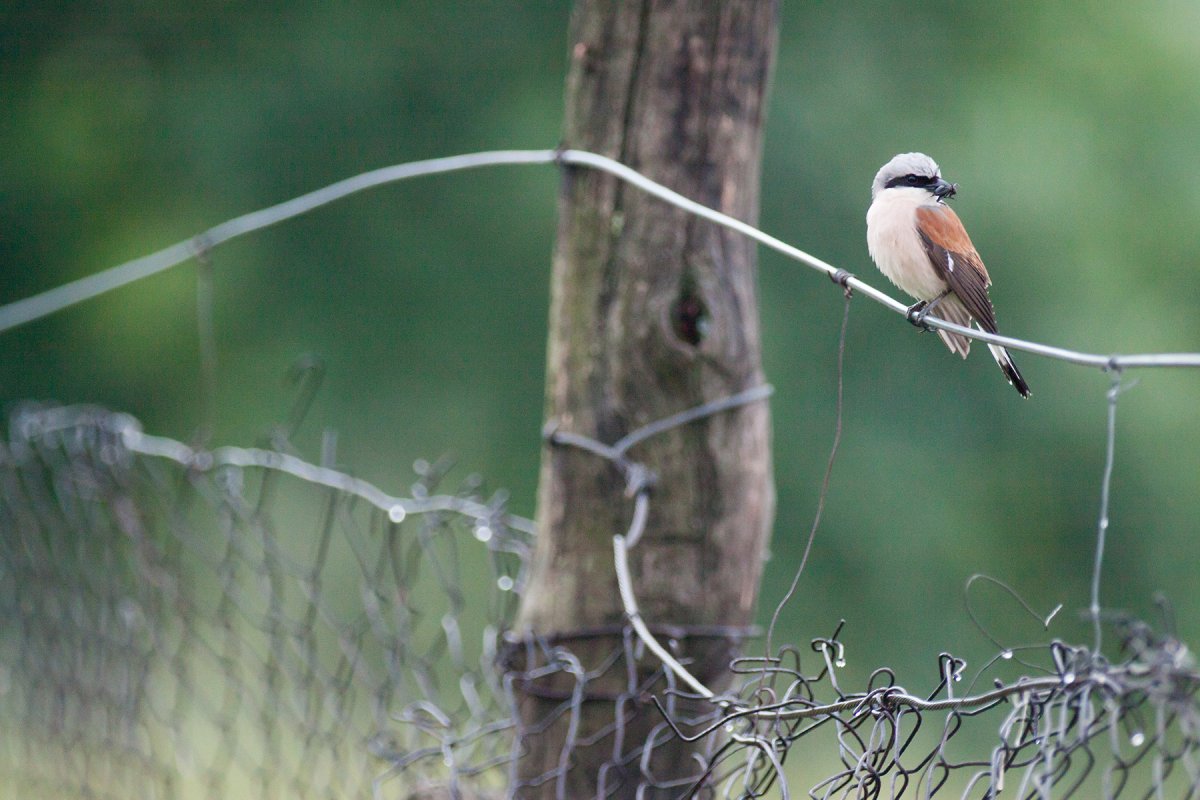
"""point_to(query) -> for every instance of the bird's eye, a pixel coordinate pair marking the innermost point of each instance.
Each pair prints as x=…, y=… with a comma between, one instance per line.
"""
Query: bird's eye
x=911, y=179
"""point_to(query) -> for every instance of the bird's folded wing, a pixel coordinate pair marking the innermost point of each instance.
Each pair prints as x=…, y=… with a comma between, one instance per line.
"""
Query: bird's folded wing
x=956, y=261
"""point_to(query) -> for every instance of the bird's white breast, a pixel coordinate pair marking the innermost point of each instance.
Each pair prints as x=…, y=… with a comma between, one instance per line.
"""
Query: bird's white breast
x=896, y=247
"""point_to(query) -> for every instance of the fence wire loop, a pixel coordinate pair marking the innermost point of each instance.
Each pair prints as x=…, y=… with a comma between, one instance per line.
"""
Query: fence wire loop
x=842, y=278
x=640, y=478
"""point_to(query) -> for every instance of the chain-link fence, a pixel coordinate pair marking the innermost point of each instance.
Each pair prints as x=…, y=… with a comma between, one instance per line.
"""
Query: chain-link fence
x=179, y=624
x=243, y=622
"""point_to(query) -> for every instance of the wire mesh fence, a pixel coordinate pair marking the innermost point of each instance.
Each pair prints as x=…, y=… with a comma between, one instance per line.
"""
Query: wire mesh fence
x=185, y=627
x=237, y=622
x=186, y=622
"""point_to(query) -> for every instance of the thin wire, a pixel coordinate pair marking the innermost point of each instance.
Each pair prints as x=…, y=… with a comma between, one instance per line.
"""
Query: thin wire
x=629, y=603
x=1044, y=621
x=206, y=337
x=1062, y=354
x=639, y=481
x=760, y=392
x=201, y=460
x=58, y=298
x=837, y=438
x=1114, y=392
x=69, y=294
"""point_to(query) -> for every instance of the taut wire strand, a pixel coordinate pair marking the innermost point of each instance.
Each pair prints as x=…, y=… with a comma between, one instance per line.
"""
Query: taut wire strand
x=824, y=493
x=53, y=300
x=1113, y=394
x=68, y=294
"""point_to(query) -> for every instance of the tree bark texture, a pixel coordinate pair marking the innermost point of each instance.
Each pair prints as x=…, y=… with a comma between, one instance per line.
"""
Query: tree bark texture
x=652, y=312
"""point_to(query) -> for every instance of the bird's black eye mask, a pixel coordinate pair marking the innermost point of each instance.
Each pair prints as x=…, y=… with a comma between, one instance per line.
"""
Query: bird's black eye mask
x=916, y=181
x=933, y=184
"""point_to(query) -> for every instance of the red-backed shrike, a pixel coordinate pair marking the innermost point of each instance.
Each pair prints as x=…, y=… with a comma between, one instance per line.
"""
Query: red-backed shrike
x=920, y=244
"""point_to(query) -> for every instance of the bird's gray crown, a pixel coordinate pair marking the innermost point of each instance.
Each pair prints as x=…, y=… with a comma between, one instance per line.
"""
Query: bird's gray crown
x=901, y=165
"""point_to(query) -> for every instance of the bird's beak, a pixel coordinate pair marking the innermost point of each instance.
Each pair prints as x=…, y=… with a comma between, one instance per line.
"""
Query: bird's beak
x=943, y=189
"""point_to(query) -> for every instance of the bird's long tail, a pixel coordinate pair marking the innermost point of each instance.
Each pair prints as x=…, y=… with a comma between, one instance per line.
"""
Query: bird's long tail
x=1009, y=369
x=952, y=310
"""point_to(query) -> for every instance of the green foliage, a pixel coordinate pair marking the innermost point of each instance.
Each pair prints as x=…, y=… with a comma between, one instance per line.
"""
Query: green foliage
x=1071, y=131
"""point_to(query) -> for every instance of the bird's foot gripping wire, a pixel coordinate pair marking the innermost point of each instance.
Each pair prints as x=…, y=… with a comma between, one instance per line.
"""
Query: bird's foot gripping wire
x=916, y=314
x=918, y=311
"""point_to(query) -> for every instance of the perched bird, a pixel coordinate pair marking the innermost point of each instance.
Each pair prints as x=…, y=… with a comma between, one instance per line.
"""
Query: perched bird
x=919, y=243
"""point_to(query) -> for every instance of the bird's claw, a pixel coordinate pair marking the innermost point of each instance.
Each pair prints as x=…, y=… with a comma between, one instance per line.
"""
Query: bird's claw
x=916, y=314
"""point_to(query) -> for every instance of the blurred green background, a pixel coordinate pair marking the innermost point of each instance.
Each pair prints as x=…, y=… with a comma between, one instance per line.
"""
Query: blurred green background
x=1073, y=131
